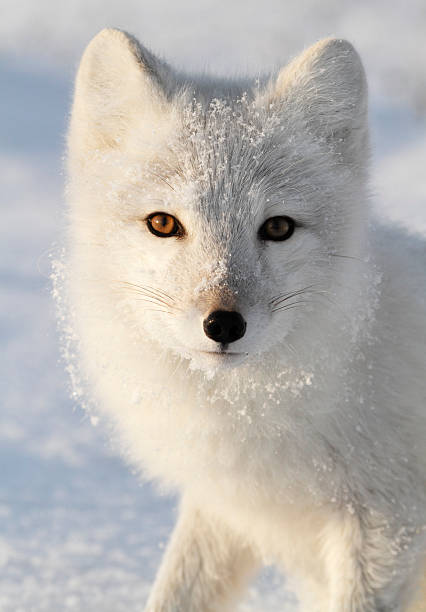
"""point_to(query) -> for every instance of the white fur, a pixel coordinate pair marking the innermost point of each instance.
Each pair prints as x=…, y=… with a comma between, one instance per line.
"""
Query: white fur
x=308, y=448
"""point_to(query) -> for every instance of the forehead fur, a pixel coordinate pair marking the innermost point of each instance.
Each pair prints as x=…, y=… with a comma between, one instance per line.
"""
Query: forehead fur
x=241, y=157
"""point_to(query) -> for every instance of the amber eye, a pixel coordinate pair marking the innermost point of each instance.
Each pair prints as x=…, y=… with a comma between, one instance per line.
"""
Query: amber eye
x=164, y=225
x=277, y=228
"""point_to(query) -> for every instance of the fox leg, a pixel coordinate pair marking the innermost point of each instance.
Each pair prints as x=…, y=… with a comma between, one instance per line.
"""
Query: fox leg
x=204, y=568
x=371, y=568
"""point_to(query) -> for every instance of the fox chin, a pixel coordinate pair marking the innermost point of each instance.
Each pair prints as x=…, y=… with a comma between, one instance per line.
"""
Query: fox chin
x=256, y=340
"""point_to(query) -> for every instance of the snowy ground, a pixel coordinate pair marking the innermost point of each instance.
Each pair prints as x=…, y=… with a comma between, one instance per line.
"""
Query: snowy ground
x=77, y=530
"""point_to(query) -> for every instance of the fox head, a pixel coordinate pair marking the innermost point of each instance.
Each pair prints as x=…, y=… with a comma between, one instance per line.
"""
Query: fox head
x=218, y=220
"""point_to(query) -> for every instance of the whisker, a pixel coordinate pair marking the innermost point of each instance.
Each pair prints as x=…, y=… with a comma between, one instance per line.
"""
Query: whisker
x=320, y=293
x=150, y=294
x=157, y=294
x=154, y=298
x=160, y=291
x=159, y=304
x=291, y=305
x=147, y=288
x=286, y=296
x=291, y=349
x=287, y=308
x=281, y=302
x=157, y=310
x=346, y=257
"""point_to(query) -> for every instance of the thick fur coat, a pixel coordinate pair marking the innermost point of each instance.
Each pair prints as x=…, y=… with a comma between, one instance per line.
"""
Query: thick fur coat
x=302, y=443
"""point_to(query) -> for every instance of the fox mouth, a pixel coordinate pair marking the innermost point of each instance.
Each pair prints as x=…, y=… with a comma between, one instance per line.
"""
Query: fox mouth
x=223, y=352
x=214, y=359
x=218, y=359
x=222, y=349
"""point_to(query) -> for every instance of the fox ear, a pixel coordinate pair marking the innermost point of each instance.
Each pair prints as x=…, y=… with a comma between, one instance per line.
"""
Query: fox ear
x=118, y=86
x=325, y=87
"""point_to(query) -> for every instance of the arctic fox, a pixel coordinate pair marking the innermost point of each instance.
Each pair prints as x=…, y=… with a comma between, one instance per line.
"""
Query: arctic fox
x=255, y=341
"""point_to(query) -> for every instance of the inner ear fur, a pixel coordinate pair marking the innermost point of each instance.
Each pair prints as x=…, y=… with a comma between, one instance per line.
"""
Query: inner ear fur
x=118, y=84
x=325, y=89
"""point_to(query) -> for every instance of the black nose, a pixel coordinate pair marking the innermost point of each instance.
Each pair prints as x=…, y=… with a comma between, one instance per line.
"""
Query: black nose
x=224, y=326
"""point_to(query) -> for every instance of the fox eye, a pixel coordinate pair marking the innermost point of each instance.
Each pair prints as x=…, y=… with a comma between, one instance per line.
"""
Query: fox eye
x=164, y=225
x=277, y=228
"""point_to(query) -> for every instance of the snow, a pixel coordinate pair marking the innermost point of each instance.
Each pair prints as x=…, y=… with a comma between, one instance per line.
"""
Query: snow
x=78, y=530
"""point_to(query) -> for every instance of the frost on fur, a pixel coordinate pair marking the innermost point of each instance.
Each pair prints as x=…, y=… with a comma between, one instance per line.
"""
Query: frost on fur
x=302, y=442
